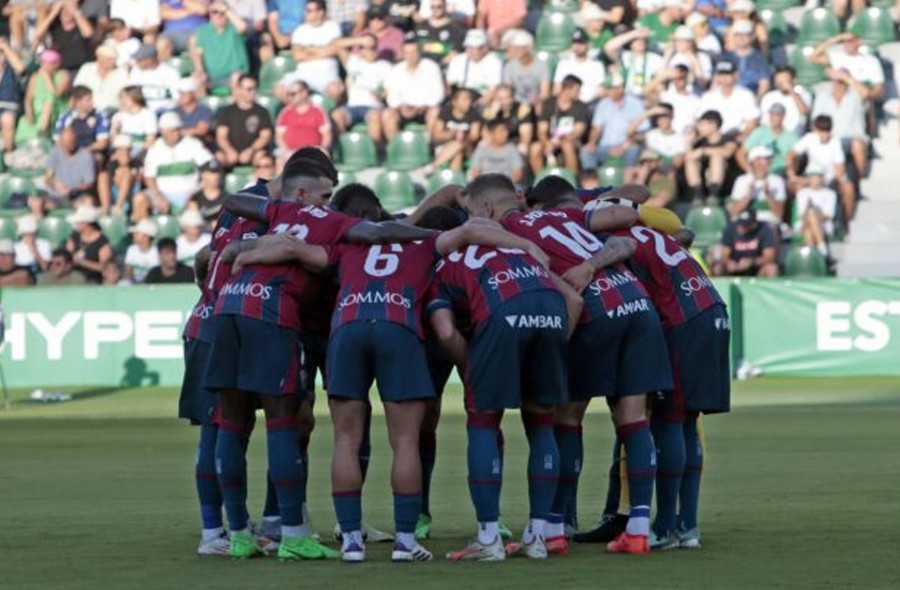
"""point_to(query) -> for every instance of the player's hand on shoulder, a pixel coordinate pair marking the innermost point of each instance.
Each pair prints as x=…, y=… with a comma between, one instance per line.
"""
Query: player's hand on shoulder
x=579, y=277
x=535, y=252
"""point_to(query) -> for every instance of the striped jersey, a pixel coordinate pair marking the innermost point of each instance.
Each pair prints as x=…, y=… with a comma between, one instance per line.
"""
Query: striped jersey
x=201, y=311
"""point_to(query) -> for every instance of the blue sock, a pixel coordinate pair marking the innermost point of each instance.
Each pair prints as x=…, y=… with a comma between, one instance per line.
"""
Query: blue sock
x=669, y=439
x=407, y=508
x=271, y=506
x=208, y=491
x=231, y=469
x=287, y=469
x=640, y=458
x=614, y=485
x=543, y=463
x=348, y=507
x=485, y=465
x=427, y=457
x=365, y=447
x=571, y=450
x=693, y=470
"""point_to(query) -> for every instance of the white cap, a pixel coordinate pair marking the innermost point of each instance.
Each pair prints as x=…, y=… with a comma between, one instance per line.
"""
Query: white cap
x=742, y=27
x=147, y=227
x=170, y=120
x=673, y=3
x=84, y=214
x=683, y=33
x=475, y=38
x=27, y=224
x=695, y=18
x=741, y=6
x=107, y=49
x=758, y=152
x=590, y=11
x=190, y=218
x=187, y=85
x=522, y=39
x=7, y=247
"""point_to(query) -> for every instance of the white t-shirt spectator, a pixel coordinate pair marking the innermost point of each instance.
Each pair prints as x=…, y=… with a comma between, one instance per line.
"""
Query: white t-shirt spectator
x=251, y=11
x=422, y=87
x=135, y=125
x=106, y=90
x=478, y=76
x=126, y=50
x=159, y=85
x=737, y=109
x=865, y=68
x=365, y=80
x=141, y=261
x=137, y=14
x=793, y=120
x=681, y=59
x=639, y=70
x=318, y=73
x=827, y=155
x=686, y=107
x=667, y=145
x=24, y=255
x=175, y=167
x=747, y=185
x=590, y=71
x=824, y=199
x=187, y=250
x=710, y=44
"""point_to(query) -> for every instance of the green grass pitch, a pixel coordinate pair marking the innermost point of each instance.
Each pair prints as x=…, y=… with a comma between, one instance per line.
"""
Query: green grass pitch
x=801, y=490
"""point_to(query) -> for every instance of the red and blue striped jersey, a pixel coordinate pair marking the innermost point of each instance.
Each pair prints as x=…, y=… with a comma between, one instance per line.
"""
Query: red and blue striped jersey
x=678, y=286
x=229, y=227
x=564, y=235
x=384, y=282
x=274, y=293
x=476, y=281
x=201, y=311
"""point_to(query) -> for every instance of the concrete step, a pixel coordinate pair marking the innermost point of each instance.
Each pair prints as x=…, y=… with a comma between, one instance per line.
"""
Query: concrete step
x=872, y=252
x=878, y=212
x=876, y=233
x=868, y=270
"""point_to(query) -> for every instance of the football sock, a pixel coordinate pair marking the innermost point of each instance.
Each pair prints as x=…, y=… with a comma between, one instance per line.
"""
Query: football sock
x=543, y=463
x=693, y=470
x=427, y=457
x=641, y=463
x=537, y=527
x=287, y=469
x=488, y=531
x=407, y=508
x=614, y=485
x=365, y=447
x=208, y=491
x=670, y=448
x=485, y=465
x=408, y=540
x=208, y=535
x=231, y=469
x=350, y=538
x=270, y=509
x=348, y=507
x=571, y=449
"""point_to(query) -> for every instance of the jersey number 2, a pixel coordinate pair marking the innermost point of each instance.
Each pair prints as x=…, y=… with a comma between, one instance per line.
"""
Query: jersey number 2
x=644, y=235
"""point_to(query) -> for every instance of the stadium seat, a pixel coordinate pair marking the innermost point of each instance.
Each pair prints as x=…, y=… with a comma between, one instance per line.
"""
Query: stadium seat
x=273, y=71
x=818, y=25
x=2, y=162
x=886, y=4
x=776, y=25
x=567, y=6
x=183, y=64
x=45, y=144
x=214, y=103
x=611, y=174
x=562, y=172
x=707, y=223
x=442, y=178
x=168, y=226
x=395, y=189
x=357, y=152
x=7, y=228
x=344, y=178
x=115, y=228
x=238, y=178
x=271, y=104
x=808, y=73
x=776, y=4
x=15, y=185
x=803, y=261
x=551, y=58
x=408, y=150
x=55, y=230
x=30, y=173
x=554, y=32
x=873, y=26
x=325, y=102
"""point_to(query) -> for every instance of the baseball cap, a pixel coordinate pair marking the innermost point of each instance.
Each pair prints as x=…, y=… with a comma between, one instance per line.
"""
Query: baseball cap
x=759, y=151
x=191, y=218
x=683, y=33
x=695, y=18
x=747, y=217
x=742, y=27
x=522, y=39
x=211, y=166
x=27, y=224
x=777, y=109
x=121, y=141
x=107, y=49
x=7, y=247
x=146, y=227
x=145, y=51
x=170, y=120
x=579, y=36
x=475, y=38
x=84, y=214
x=187, y=85
x=725, y=67
x=377, y=11
x=50, y=56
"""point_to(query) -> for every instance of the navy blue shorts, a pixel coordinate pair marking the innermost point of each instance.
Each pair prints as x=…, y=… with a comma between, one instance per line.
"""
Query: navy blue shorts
x=519, y=354
x=620, y=355
x=196, y=403
x=699, y=351
x=255, y=356
x=315, y=353
x=370, y=351
x=439, y=366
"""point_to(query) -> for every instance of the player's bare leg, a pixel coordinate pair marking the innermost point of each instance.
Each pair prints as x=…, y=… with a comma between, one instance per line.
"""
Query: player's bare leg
x=348, y=417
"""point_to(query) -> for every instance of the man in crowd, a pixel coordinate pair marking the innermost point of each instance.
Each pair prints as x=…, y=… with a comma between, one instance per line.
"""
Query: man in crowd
x=170, y=270
x=243, y=128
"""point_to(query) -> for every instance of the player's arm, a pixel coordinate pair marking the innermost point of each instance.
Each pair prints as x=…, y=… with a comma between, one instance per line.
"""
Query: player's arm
x=447, y=196
x=482, y=233
x=367, y=232
x=283, y=249
x=574, y=303
x=610, y=218
x=247, y=206
x=444, y=325
x=201, y=264
x=616, y=249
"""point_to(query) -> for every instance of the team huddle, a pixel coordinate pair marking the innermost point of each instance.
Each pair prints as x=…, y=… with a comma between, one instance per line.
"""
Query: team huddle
x=542, y=303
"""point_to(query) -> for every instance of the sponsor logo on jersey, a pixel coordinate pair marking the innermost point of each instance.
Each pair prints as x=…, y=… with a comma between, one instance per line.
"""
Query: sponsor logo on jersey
x=257, y=290
x=535, y=321
x=694, y=284
x=723, y=324
x=629, y=307
x=612, y=281
x=203, y=311
x=368, y=297
x=516, y=274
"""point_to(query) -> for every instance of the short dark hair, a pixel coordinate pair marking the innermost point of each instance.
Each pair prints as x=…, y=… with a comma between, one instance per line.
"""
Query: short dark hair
x=358, y=200
x=166, y=244
x=320, y=3
x=571, y=80
x=63, y=253
x=309, y=162
x=79, y=92
x=712, y=116
x=244, y=77
x=484, y=184
x=441, y=219
x=492, y=124
x=785, y=68
x=822, y=123
x=550, y=189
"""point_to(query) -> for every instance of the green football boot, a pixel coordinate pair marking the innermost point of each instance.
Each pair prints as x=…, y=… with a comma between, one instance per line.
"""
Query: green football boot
x=296, y=548
x=423, y=527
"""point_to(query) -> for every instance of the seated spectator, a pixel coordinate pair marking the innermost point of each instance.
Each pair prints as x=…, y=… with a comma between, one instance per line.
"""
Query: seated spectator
x=11, y=67
x=208, y=200
x=103, y=78
x=70, y=170
x=254, y=14
x=31, y=251
x=90, y=249
x=745, y=11
x=193, y=238
x=135, y=120
x=752, y=65
x=45, y=97
x=11, y=274
x=497, y=154
x=169, y=269
x=815, y=209
x=717, y=13
x=181, y=19
x=301, y=123
x=652, y=171
x=70, y=33
x=120, y=37
x=529, y=77
x=773, y=136
x=707, y=161
x=141, y=255
x=312, y=47
x=562, y=124
x=499, y=16
x=141, y=16
x=218, y=48
x=863, y=67
x=749, y=249
x=243, y=127
x=844, y=104
x=440, y=37
x=284, y=18
x=158, y=81
x=365, y=87
x=662, y=156
x=91, y=132
x=196, y=118
x=518, y=117
x=681, y=95
x=609, y=135
x=736, y=105
x=349, y=14
x=759, y=189
x=639, y=66
x=662, y=21
x=113, y=275
x=594, y=20
x=456, y=131
x=264, y=166
x=683, y=51
x=389, y=38
x=61, y=271
x=170, y=169
x=580, y=64
x=414, y=91
x=793, y=98
x=477, y=68
x=705, y=38
x=824, y=151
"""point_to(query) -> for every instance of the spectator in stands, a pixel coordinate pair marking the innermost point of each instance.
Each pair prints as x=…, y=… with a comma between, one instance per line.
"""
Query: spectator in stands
x=635, y=62
x=497, y=154
x=772, y=136
x=824, y=151
x=61, y=271
x=499, y=16
x=844, y=104
x=244, y=127
x=193, y=238
x=740, y=11
x=662, y=156
x=759, y=189
x=91, y=133
x=389, y=37
x=113, y=274
x=11, y=274
x=366, y=75
x=752, y=65
x=284, y=18
x=181, y=19
x=264, y=166
x=578, y=63
x=793, y=98
x=218, y=48
x=594, y=21
x=736, y=105
x=863, y=67
x=253, y=13
x=456, y=131
x=11, y=67
x=70, y=169
x=815, y=210
x=517, y=116
x=134, y=128
x=196, y=118
x=440, y=37
x=716, y=12
x=613, y=11
x=312, y=47
x=528, y=76
x=680, y=94
x=141, y=16
x=609, y=134
x=170, y=168
x=683, y=51
x=477, y=68
x=209, y=198
x=104, y=78
x=90, y=249
x=707, y=161
x=70, y=34
x=122, y=171
x=461, y=11
x=158, y=81
x=44, y=97
x=414, y=90
x=562, y=124
x=349, y=14
x=662, y=21
x=141, y=255
x=31, y=251
x=749, y=249
x=169, y=269
x=301, y=123
x=706, y=39
x=126, y=45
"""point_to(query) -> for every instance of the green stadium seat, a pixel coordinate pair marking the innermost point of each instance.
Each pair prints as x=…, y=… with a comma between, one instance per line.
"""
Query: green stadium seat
x=55, y=230
x=808, y=73
x=551, y=58
x=325, y=102
x=803, y=261
x=396, y=190
x=873, y=26
x=566, y=6
x=707, y=223
x=776, y=4
x=408, y=150
x=45, y=144
x=168, y=226
x=887, y=4
x=273, y=71
x=562, y=172
x=271, y=104
x=611, y=174
x=115, y=228
x=237, y=179
x=554, y=32
x=442, y=178
x=214, y=103
x=776, y=25
x=818, y=25
x=183, y=64
x=7, y=228
x=13, y=185
x=357, y=151
x=344, y=178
